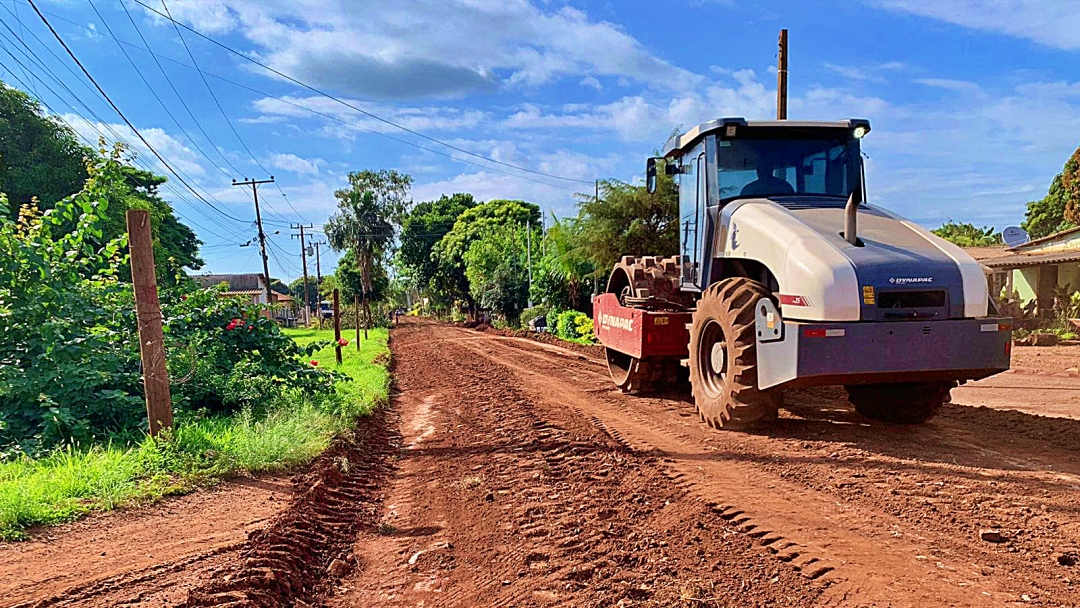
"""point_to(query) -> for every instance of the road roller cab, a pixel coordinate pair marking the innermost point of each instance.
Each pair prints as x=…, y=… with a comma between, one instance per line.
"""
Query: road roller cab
x=787, y=277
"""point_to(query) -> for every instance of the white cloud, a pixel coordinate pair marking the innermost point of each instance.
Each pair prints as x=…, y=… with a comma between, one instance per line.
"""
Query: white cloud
x=424, y=119
x=423, y=48
x=591, y=82
x=180, y=156
x=1053, y=24
x=295, y=164
x=958, y=86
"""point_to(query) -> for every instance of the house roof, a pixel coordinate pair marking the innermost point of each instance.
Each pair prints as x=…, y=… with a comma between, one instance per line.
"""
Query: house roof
x=250, y=282
x=1015, y=260
x=987, y=253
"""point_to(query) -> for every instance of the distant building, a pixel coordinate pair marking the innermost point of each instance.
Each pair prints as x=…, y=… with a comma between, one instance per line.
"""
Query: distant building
x=1035, y=269
x=252, y=287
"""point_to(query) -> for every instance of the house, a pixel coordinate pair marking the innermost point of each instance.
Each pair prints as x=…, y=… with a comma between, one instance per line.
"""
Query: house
x=252, y=287
x=1034, y=270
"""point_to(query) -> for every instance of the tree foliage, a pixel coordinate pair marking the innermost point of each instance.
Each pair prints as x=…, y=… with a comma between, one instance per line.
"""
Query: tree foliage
x=366, y=220
x=425, y=225
x=496, y=265
x=627, y=220
x=967, y=235
x=39, y=155
x=40, y=158
x=471, y=225
x=1060, y=208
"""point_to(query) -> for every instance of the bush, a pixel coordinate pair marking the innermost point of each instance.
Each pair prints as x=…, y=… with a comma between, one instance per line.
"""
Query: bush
x=574, y=325
x=69, y=358
x=224, y=355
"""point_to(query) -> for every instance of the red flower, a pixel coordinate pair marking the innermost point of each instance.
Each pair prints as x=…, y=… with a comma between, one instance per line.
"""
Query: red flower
x=343, y=342
x=231, y=326
x=314, y=363
x=251, y=327
x=183, y=297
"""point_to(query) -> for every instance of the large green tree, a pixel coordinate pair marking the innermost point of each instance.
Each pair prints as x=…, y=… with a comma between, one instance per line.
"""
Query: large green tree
x=1060, y=208
x=472, y=224
x=496, y=264
x=628, y=220
x=366, y=221
x=41, y=161
x=562, y=277
x=425, y=225
x=39, y=155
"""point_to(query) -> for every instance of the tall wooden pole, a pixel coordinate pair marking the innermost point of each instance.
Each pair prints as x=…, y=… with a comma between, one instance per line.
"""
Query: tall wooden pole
x=318, y=280
x=303, y=260
x=148, y=313
x=356, y=305
x=337, y=328
x=781, y=77
x=262, y=235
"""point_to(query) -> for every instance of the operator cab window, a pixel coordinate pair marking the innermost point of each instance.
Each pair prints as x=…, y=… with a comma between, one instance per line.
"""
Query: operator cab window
x=760, y=167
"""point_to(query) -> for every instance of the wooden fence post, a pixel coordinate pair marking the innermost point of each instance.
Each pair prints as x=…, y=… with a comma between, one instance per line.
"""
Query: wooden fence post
x=337, y=328
x=356, y=305
x=148, y=313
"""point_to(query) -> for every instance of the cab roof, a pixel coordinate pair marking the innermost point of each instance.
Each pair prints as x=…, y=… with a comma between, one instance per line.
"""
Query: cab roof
x=680, y=143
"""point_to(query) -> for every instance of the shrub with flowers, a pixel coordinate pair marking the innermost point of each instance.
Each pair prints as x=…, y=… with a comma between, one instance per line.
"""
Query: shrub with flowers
x=69, y=355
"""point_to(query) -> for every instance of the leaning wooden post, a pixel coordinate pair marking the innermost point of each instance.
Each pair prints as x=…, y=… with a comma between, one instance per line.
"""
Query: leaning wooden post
x=148, y=313
x=337, y=329
x=356, y=305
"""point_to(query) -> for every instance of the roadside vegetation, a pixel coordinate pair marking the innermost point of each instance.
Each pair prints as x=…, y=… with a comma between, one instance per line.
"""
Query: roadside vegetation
x=288, y=432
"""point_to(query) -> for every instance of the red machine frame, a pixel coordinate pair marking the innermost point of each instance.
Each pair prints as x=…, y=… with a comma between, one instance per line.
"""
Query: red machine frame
x=638, y=332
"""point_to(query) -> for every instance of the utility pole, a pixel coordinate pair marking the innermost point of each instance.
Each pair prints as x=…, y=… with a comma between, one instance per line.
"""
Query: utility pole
x=303, y=259
x=318, y=279
x=337, y=328
x=258, y=220
x=528, y=252
x=148, y=313
x=781, y=77
x=596, y=271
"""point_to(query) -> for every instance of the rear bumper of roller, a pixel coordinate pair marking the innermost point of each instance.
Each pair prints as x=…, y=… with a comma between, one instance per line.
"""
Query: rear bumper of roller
x=817, y=354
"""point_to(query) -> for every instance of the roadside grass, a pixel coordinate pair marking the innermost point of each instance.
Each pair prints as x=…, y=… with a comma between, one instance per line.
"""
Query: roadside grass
x=75, y=481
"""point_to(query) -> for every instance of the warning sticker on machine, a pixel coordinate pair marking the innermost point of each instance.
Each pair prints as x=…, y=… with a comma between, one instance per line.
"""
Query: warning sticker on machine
x=660, y=321
x=868, y=294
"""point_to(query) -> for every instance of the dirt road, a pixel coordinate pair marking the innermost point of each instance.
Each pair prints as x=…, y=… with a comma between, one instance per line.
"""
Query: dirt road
x=510, y=472
x=528, y=480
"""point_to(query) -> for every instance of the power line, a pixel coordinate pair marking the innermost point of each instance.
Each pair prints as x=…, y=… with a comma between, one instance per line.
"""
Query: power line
x=94, y=127
x=349, y=105
x=118, y=111
x=154, y=92
x=31, y=56
x=325, y=115
x=232, y=126
x=173, y=87
x=91, y=144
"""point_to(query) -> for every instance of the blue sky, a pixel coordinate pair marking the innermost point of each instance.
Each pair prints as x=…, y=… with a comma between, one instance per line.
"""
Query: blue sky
x=975, y=104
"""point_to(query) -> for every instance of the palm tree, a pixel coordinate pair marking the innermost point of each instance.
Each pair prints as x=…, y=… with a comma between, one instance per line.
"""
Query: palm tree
x=366, y=221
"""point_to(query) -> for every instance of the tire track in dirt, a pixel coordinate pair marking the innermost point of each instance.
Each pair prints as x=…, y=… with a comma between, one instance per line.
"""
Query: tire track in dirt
x=870, y=510
x=529, y=504
x=306, y=549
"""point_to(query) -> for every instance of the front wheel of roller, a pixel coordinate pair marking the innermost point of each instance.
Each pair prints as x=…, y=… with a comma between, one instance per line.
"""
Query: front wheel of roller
x=723, y=356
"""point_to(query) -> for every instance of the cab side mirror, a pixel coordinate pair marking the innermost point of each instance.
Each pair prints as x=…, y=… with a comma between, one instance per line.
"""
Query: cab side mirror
x=650, y=175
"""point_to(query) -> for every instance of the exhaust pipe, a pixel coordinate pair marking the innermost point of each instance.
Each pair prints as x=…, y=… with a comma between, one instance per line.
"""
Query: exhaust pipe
x=851, y=211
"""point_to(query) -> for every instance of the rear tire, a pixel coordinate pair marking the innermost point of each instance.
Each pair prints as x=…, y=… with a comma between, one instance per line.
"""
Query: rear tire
x=723, y=356
x=900, y=403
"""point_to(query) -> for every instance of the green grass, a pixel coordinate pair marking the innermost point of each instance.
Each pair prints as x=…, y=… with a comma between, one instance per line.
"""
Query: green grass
x=70, y=483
